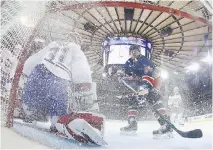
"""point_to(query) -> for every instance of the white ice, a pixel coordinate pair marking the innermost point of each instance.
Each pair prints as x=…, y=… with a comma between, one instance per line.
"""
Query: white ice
x=12, y=140
x=143, y=140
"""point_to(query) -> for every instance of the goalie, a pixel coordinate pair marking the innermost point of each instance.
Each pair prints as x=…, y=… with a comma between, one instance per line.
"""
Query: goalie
x=51, y=72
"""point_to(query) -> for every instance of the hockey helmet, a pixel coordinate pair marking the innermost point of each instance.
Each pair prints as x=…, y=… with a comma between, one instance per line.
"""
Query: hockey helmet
x=134, y=48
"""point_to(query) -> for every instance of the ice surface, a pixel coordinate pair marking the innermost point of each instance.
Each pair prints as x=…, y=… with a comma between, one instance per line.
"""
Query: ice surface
x=12, y=140
x=143, y=140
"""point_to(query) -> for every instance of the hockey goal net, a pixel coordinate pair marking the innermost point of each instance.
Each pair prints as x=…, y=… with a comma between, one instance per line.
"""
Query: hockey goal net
x=24, y=25
x=18, y=22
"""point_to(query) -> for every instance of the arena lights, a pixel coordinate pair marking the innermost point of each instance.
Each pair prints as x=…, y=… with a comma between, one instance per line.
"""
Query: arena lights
x=208, y=59
x=164, y=74
x=193, y=67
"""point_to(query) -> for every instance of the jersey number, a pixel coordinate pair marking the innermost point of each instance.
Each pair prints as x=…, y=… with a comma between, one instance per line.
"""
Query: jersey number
x=60, y=52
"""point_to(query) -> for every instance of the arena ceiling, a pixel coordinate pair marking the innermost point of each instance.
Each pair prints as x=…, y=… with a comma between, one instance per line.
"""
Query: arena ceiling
x=95, y=20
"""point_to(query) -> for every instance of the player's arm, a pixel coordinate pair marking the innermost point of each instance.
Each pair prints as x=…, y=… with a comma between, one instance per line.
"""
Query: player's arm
x=148, y=81
x=128, y=68
x=36, y=58
x=81, y=76
x=81, y=72
x=30, y=64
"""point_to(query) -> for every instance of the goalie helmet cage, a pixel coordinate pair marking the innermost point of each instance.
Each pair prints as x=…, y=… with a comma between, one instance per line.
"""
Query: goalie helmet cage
x=22, y=22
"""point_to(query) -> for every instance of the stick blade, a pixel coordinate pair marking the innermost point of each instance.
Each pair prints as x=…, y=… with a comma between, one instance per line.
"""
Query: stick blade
x=197, y=133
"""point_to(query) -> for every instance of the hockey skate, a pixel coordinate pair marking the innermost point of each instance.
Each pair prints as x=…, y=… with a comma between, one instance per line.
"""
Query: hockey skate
x=130, y=129
x=165, y=132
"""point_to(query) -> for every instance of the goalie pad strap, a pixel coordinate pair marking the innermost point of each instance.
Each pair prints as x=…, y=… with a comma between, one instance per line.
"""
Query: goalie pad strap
x=83, y=87
x=76, y=137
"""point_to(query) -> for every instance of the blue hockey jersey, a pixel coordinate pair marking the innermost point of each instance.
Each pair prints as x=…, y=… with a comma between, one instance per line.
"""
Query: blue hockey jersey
x=137, y=66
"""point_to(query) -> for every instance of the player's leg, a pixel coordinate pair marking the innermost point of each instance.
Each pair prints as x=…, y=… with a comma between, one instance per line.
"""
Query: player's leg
x=57, y=104
x=174, y=114
x=83, y=127
x=180, y=115
x=132, y=114
x=155, y=100
x=131, y=111
x=34, y=96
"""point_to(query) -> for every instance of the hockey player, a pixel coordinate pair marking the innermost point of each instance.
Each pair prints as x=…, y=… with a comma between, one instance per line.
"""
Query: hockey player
x=175, y=106
x=51, y=72
x=140, y=67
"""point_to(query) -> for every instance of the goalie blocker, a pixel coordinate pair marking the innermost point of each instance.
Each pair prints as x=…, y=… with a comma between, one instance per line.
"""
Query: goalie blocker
x=85, y=127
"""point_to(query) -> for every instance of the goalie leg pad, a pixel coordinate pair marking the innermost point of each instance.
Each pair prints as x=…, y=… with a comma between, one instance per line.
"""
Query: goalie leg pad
x=65, y=131
x=83, y=127
x=95, y=120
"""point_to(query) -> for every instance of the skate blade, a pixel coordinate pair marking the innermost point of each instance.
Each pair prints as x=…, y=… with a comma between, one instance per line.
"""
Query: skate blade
x=163, y=136
x=129, y=133
x=181, y=124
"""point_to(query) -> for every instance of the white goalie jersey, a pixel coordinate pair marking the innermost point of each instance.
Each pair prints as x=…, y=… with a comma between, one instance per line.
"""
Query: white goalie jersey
x=63, y=59
x=67, y=61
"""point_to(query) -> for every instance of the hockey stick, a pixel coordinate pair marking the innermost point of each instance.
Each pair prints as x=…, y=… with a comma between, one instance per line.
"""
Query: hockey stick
x=197, y=133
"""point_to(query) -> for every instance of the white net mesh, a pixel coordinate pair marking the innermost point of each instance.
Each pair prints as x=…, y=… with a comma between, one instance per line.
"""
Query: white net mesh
x=19, y=23
x=18, y=20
